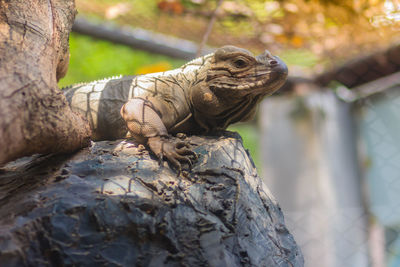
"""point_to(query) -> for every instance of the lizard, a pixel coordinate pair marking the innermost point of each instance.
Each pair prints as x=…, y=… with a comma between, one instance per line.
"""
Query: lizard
x=206, y=94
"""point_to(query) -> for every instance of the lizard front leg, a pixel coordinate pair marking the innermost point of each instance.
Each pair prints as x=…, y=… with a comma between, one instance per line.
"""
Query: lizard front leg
x=145, y=124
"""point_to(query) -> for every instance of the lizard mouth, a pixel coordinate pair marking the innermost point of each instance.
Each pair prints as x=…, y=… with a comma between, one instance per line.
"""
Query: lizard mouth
x=275, y=74
x=265, y=81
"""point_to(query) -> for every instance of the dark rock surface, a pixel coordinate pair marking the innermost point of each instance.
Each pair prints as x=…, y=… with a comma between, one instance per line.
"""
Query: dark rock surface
x=112, y=205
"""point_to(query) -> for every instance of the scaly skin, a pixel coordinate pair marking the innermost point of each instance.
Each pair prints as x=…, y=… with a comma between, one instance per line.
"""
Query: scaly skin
x=206, y=94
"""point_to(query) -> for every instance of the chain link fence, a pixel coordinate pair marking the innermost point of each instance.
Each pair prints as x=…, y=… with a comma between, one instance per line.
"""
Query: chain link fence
x=332, y=158
x=379, y=130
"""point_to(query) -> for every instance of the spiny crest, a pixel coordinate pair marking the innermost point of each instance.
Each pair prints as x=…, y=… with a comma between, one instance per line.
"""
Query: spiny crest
x=92, y=82
x=198, y=59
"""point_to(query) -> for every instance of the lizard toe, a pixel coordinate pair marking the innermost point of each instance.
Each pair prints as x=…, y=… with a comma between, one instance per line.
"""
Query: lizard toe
x=181, y=144
x=184, y=159
x=174, y=161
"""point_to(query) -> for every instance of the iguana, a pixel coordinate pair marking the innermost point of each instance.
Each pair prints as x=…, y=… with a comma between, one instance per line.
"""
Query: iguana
x=208, y=93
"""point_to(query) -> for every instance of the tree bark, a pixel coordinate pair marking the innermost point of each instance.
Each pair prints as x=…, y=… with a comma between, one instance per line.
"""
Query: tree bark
x=113, y=205
x=34, y=115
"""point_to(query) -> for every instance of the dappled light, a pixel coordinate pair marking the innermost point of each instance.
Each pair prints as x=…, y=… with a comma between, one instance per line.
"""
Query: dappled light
x=331, y=30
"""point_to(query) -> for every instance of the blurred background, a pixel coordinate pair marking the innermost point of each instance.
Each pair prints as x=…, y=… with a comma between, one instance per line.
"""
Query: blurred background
x=327, y=144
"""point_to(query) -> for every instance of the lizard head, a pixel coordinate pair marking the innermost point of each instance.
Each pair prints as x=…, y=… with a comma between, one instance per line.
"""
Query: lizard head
x=236, y=72
x=233, y=84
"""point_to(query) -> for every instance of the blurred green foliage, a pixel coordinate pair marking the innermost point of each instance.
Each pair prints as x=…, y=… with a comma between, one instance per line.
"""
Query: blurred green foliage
x=299, y=57
x=251, y=140
x=93, y=59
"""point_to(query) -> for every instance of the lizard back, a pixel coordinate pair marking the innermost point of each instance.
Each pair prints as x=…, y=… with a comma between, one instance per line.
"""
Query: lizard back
x=100, y=101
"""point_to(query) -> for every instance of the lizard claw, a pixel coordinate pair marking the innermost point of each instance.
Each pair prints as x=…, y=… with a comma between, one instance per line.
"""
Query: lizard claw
x=176, y=153
x=183, y=148
x=160, y=159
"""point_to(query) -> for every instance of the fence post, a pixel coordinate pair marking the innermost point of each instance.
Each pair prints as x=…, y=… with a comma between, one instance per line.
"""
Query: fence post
x=310, y=164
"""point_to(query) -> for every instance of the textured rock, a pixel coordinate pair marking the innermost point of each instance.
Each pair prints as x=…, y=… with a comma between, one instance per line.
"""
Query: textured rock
x=113, y=205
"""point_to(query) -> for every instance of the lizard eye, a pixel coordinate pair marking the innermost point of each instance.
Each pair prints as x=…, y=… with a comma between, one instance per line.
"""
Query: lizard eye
x=240, y=63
